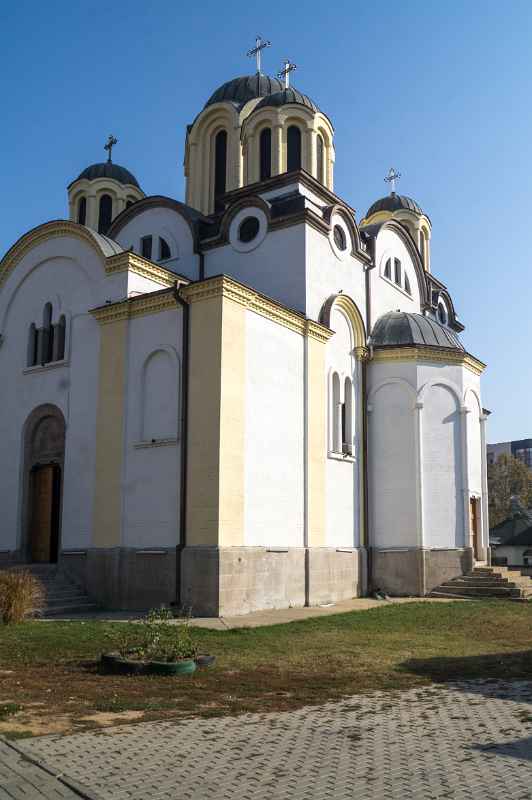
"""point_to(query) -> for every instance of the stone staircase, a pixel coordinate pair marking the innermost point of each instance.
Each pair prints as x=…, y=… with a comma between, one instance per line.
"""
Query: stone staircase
x=63, y=596
x=492, y=582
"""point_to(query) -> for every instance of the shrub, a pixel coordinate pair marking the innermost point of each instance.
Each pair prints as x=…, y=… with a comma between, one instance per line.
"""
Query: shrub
x=21, y=596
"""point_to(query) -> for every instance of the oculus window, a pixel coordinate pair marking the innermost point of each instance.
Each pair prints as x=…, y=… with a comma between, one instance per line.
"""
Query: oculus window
x=248, y=229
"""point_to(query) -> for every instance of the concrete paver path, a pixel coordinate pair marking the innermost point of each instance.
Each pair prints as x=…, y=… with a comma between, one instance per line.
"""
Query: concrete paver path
x=467, y=740
x=20, y=779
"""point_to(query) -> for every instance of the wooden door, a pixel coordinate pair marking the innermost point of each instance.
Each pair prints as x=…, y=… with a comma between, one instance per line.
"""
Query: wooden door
x=45, y=513
x=475, y=535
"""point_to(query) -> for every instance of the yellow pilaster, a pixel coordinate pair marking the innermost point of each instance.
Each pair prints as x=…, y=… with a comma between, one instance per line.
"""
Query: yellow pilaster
x=107, y=515
x=317, y=439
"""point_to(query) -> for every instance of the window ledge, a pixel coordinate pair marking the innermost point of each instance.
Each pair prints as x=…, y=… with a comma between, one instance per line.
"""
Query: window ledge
x=341, y=457
x=168, y=442
x=43, y=367
x=397, y=286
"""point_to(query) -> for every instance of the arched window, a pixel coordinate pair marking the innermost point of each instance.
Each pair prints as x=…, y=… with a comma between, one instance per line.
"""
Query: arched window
x=347, y=419
x=146, y=244
x=442, y=314
x=388, y=269
x=129, y=203
x=422, y=245
x=60, y=333
x=105, y=216
x=164, y=250
x=47, y=348
x=220, y=168
x=320, y=159
x=408, y=290
x=32, y=346
x=293, y=148
x=397, y=271
x=337, y=415
x=266, y=154
x=82, y=210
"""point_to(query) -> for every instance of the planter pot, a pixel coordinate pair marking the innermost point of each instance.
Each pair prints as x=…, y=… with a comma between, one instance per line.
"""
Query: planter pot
x=205, y=661
x=185, y=667
x=114, y=664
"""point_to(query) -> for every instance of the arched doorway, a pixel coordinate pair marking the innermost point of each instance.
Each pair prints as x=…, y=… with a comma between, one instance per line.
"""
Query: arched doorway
x=44, y=449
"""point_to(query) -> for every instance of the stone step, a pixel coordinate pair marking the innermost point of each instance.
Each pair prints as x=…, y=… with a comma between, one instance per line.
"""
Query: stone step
x=440, y=592
x=62, y=596
x=71, y=599
x=65, y=610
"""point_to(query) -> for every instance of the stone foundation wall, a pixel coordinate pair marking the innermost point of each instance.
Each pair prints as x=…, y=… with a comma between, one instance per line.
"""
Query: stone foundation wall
x=124, y=578
x=335, y=574
x=416, y=572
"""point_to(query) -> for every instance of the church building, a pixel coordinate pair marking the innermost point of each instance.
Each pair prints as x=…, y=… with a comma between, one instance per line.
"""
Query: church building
x=251, y=399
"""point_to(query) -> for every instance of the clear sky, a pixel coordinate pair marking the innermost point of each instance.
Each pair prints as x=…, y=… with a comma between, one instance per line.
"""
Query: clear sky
x=441, y=91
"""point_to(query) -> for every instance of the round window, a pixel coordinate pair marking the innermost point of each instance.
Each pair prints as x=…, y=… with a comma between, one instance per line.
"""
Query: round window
x=339, y=237
x=248, y=229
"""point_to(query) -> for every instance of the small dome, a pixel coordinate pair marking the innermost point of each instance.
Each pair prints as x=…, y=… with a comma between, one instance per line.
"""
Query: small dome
x=284, y=98
x=108, y=170
x=400, y=329
x=394, y=202
x=240, y=90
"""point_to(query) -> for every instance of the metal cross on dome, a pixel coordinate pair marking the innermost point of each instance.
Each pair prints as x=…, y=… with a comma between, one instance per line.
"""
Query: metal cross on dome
x=109, y=146
x=260, y=45
x=288, y=67
x=392, y=177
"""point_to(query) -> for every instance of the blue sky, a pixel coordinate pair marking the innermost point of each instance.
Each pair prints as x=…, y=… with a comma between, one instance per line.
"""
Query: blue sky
x=441, y=91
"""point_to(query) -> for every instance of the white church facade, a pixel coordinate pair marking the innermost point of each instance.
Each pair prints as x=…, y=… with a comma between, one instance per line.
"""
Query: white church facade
x=249, y=400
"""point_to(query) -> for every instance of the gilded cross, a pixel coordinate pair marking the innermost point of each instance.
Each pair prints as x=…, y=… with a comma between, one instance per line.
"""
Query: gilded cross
x=392, y=177
x=288, y=67
x=109, y=146
x=260, y=45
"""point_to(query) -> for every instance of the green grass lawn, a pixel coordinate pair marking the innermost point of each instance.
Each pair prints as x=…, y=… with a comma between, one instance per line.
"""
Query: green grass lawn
x=48, y=669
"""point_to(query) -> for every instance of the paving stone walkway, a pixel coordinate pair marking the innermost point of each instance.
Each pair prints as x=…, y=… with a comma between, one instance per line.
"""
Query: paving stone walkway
x=468, y=740
x=20, y=779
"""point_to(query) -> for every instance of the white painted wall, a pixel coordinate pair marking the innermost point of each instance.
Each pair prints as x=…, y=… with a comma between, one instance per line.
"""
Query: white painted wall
x=385, y=295
x=68, y=273
x=173, y=228
x=342, y=474
x=274, y=501
x=152, y=470
x=443, y=504
x=275, y=268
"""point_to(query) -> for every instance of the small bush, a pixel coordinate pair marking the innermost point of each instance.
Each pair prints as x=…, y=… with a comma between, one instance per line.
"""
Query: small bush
x=21, y=596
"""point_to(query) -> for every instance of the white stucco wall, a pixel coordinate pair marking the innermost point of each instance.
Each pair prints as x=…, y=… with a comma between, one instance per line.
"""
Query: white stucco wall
x=385, y=295
x=69, y=274
x=152, y=469
x=275, y=268
x=274, y=472
x=173, y=228
x=342, y=474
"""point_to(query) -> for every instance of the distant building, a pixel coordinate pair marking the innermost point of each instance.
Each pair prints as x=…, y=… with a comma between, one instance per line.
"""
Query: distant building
x=519, y=448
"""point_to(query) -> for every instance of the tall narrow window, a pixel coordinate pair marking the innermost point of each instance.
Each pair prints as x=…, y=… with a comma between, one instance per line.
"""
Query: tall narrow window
x=293, y=148
x=82, y=210
x=422, y=245
x=146, y=244
x=47, y=340
x=60, y=333
x=397, y=271
x=220, y=168
x=105, y=216
x=337, y=415
x=320, y=157
x=388, y=269
x=347, y=419
x=32, y=346
x=266, y=154
x=164, y=250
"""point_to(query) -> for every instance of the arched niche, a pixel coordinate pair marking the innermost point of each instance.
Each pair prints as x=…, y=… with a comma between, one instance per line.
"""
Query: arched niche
x=160, y=377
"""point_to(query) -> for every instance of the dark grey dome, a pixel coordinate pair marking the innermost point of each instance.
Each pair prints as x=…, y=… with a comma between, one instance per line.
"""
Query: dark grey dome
x=400, y=329
x=108, y=170
x=393, y=202
x=284, y=98
x=245, y=88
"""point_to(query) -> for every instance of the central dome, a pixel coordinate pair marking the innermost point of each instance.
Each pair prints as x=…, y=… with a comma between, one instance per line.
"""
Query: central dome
x=248, y=87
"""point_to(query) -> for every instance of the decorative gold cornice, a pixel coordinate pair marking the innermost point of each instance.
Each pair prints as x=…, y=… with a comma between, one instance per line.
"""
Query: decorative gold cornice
x=361, y=353
x=435, y=354
x=223, y=286
x=131, y=262
x=135, y=307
